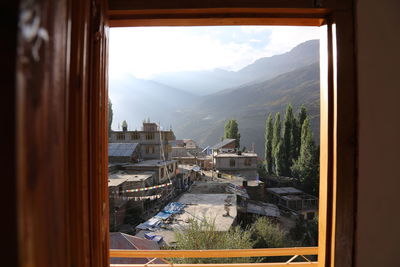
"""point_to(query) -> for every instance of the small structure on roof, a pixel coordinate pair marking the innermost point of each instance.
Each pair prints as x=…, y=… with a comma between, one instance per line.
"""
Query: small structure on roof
x=262, y=208
x=163, y=170
x=225, y=145
x=294, y=200
x=123, y=152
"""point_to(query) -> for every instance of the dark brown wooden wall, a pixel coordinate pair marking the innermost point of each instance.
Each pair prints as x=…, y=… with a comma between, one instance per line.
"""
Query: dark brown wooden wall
x=8, y=50
x=61, y=105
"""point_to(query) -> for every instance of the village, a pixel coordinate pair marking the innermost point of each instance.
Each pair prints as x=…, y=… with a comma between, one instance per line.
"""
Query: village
x=158, y=184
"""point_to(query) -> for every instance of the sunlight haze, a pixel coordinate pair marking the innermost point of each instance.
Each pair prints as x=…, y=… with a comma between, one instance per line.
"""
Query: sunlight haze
x=146, y=51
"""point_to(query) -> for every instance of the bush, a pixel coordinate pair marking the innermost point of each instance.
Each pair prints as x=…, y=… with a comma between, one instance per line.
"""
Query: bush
x=202, y=235
x=267, y=234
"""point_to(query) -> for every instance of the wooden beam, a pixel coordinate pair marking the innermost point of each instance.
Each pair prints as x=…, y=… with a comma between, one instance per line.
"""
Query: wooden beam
x=217, y=16
x=278, y=264
x=216, y=253
x=216, y=21
x=177, y=4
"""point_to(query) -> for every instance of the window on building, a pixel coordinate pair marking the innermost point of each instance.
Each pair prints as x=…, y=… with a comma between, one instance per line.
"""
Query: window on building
x=149, y=149
x=149, y=136
x=232, y=162
x=247, y=162
x=120, y=136
x=135, y=136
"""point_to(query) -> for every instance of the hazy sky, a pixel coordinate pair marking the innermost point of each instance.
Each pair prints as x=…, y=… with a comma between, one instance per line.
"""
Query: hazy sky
x=145, y=51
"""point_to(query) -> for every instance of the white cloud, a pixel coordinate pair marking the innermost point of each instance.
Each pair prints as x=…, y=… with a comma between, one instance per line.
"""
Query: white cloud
x=283, y=38
x=150, y=50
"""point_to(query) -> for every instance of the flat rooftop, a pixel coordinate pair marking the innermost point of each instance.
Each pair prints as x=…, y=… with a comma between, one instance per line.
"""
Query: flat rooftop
x=209, y=187
x=152, y=163
x=285, y=190
x=262, y=208
x=235, y=155
x=117, y=178
x=198, y=207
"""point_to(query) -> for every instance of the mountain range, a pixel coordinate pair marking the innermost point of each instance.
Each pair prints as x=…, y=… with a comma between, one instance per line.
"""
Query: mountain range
x=197, y=104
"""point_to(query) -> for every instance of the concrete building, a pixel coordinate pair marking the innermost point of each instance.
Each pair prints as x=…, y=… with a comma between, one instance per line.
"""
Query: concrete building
x=162, y=169
x=118, y=184
x=183, y=156
x=240, y=164
x=226, y=145
x=294, y=200
x=154, y=143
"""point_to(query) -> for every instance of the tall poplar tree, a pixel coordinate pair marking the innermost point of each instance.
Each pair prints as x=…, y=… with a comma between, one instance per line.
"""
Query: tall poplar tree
x=276, y=139
x=301, y=116
x=288, y=140
x=306, y=167
x=279, y=159
x=269, y=133
x=231, y=130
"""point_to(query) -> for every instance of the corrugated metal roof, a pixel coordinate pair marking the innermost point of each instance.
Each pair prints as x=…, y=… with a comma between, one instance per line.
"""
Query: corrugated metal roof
x=124, y=241
x=121, y=149
x=263, y=208
x=285, y=190
x=223, y=143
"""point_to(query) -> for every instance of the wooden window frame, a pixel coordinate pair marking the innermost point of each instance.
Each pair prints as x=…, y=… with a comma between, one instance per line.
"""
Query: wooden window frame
x=61, y=109
x=338, y=150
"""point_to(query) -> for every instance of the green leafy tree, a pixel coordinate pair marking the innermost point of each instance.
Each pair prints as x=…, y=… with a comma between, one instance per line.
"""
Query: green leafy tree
x=266, y=234
x=110, y=115
x=305, y=233
x=276, y=138
x=203, y=234
x=231, y=131
x=301, y=116
x=288, y=140
x=279, y=159
x=269, y=133
x=306, y=167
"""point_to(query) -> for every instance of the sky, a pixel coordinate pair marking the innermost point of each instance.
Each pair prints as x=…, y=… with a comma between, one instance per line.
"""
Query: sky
x=146, y=51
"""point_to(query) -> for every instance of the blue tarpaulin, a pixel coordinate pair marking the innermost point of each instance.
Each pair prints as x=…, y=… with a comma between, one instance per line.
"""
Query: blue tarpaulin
x=174, y=207
x=151, y=236
x=163, y=215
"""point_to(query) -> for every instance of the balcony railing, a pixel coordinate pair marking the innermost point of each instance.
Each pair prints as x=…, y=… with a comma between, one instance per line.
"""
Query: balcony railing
x=295, y=253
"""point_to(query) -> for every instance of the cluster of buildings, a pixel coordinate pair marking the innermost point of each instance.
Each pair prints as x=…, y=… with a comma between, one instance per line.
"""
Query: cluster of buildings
x=165, y=183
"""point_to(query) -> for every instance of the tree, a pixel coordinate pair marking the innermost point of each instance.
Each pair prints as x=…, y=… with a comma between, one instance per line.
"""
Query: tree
x=276, y=132
x=110, y=115
x=305, y=233
x=269, y=133
x=301, y=116
x=279, y=159
x=306, y=167
x=267, y=234
x=288, y=140
x=203, y=234
x=231, y=131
